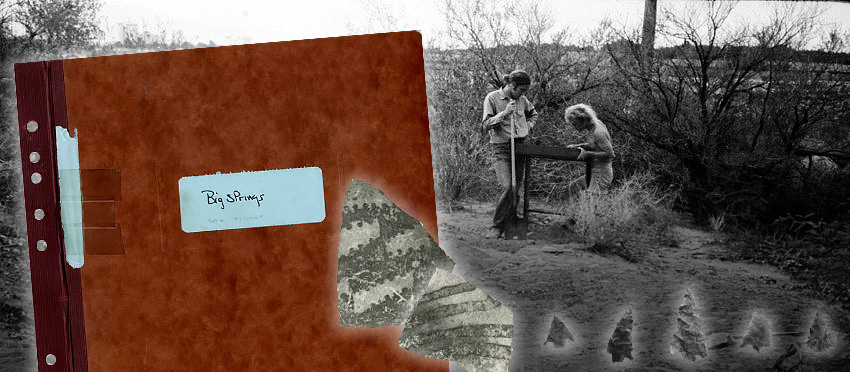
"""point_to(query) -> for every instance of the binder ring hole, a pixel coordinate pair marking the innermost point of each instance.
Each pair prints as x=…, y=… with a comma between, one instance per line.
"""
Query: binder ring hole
x=38, y=214
x=34, y=157
x=32, y=126
x=50, y=359
x=35, y=178
x=41, y=245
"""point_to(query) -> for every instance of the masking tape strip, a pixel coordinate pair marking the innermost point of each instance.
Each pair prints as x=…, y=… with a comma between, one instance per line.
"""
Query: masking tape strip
x=103, y=240
x=101, y=190
x=98, y=214
x=70, y=196
x=100, y=185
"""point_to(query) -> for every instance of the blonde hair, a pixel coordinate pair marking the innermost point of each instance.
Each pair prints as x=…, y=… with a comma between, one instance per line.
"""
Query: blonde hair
x=581, y=111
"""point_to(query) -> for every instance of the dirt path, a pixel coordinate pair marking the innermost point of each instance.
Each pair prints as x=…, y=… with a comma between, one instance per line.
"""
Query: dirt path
x=590, y=293
x=15, y=355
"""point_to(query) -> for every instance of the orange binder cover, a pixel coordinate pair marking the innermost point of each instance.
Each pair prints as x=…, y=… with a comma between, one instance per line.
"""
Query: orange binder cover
x=151, y=297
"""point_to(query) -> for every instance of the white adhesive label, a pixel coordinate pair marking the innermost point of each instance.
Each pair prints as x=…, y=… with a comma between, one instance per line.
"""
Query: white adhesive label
x=251, y=199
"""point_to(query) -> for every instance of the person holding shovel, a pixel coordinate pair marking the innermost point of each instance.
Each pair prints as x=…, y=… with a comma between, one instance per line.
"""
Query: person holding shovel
x=508, y=117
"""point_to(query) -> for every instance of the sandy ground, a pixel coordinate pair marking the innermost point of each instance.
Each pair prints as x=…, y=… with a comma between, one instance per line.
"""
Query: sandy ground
x=550, y=275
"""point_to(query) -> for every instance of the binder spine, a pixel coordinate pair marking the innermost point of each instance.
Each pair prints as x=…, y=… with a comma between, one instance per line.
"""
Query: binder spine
x=57, y=291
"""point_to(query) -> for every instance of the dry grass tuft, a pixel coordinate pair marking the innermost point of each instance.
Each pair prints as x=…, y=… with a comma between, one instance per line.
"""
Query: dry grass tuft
x=627, y=214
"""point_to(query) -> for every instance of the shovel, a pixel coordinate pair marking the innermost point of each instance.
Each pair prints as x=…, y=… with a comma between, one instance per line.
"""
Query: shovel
x=515, y=227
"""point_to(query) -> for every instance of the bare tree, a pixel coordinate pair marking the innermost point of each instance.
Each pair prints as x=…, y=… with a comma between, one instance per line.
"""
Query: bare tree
x=145, y=37
x=484, y=28
x=503, y=35
x=491, y=38
x=688, y=101
x=804, y=108
x=727, y=97
x=57, y=22
x=380, y=16
x=7, y=18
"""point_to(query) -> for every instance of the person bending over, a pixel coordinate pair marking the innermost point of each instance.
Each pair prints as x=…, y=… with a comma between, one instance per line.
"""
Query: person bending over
x=596, y=148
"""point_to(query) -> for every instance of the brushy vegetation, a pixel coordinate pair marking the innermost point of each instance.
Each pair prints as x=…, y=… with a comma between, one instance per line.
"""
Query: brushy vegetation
x=14, y=262
x=745, y=131
x=623, y=219
x=747, y=124
x=817, y=253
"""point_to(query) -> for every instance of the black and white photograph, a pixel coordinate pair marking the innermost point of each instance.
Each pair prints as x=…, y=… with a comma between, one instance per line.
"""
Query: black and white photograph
x=663, y=190
x=619, y=185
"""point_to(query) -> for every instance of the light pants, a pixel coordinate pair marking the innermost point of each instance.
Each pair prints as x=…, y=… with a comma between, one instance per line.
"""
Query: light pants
x=506, y=207
x=601, y=175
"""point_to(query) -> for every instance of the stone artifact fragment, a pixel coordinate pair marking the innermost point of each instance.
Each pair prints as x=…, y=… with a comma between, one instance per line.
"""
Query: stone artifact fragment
x=688, y=339
x=758, y=333
x=820, y=339
x=789, y=361
x=558, y=333
x=386, y=259
x=456, y=321
x=620, y=343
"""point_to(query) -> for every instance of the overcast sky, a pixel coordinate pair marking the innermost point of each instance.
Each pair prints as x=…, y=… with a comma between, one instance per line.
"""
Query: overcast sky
x=250, y=21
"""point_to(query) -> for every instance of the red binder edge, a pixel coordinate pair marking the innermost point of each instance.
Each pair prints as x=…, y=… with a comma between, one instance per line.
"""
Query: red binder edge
x=57, y=290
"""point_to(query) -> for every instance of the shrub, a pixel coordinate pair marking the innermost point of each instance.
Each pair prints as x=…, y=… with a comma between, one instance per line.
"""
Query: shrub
x=461, y=164
x=628, y=213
